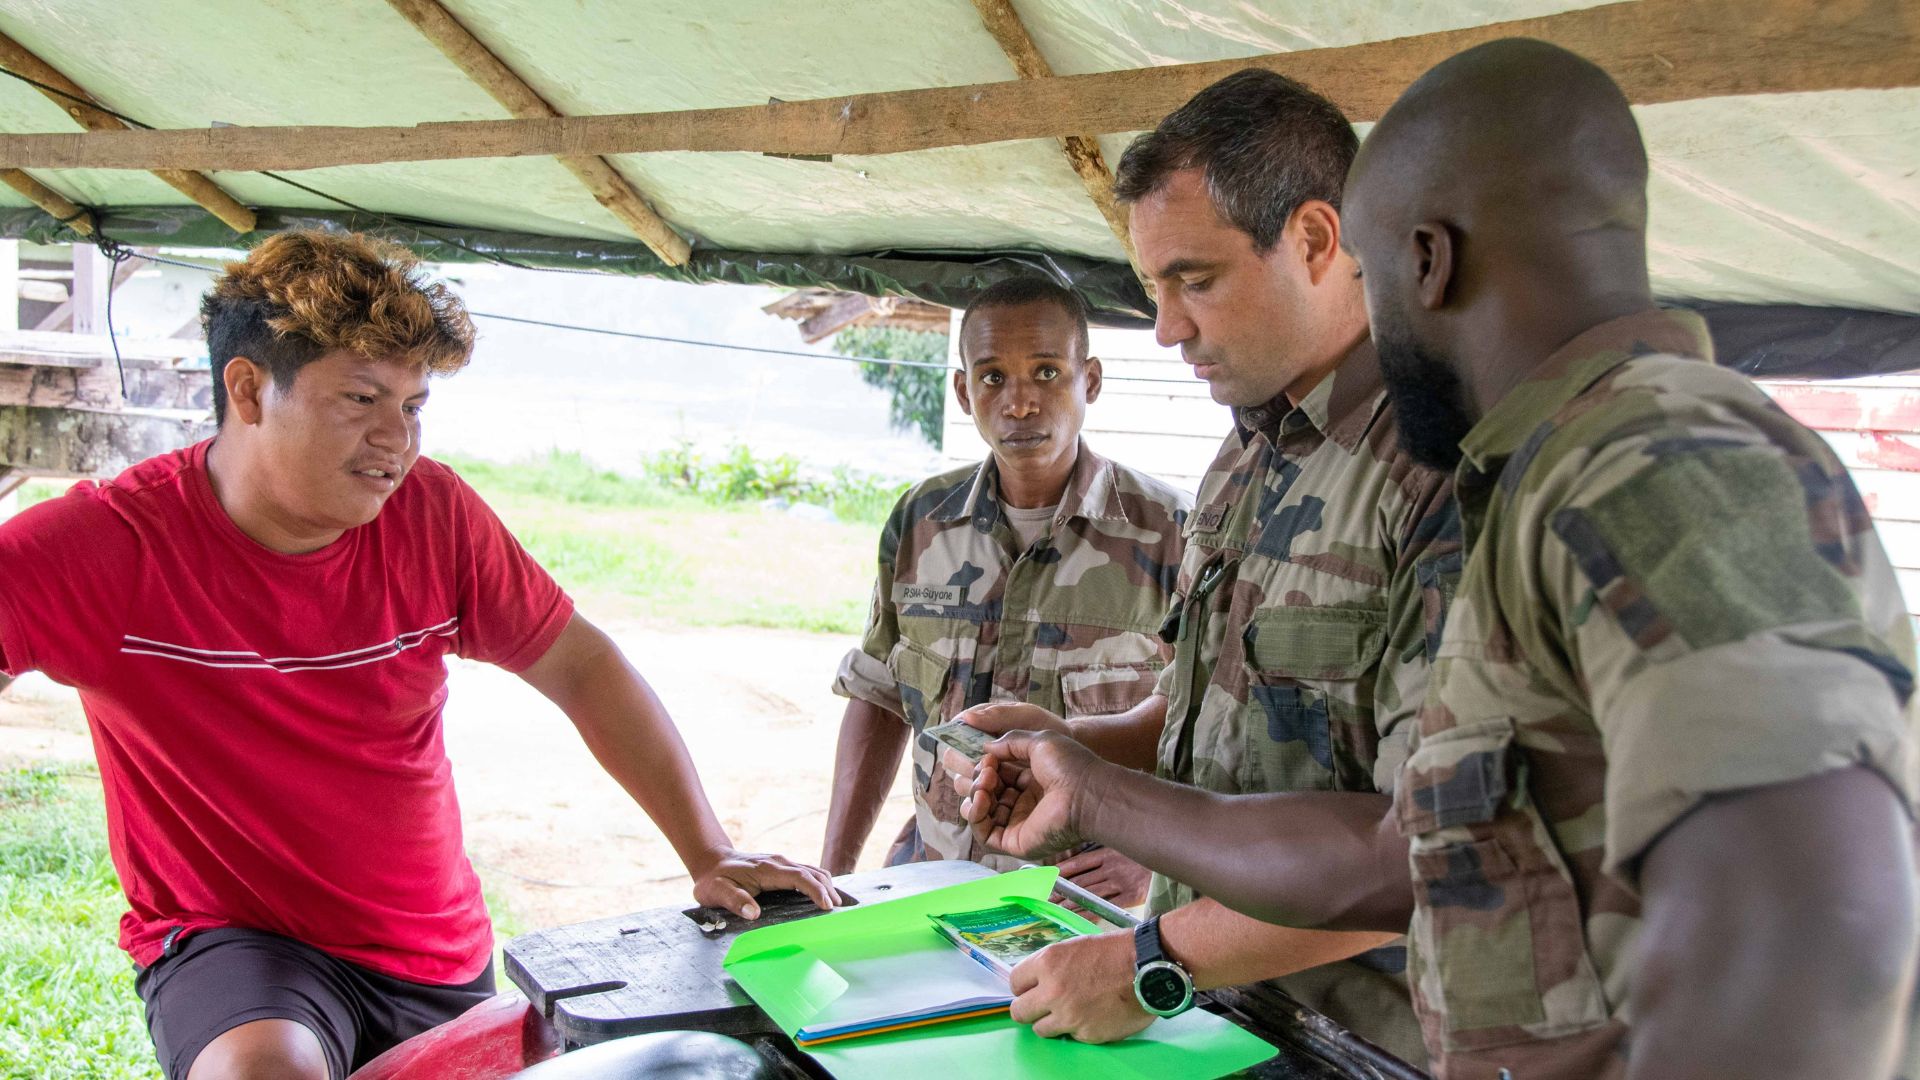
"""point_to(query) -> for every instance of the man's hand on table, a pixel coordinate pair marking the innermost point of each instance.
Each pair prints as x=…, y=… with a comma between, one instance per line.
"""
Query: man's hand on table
x=736, y=877
x=1082, y=988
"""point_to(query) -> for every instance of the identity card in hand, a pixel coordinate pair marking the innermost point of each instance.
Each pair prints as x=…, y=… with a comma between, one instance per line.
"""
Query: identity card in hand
x=968, y=740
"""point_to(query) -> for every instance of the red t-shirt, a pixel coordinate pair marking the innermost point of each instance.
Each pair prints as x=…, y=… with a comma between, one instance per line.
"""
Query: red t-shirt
x=268, y=726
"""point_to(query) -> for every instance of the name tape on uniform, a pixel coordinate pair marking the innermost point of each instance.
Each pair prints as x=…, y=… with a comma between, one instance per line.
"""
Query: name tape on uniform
x=929, y=595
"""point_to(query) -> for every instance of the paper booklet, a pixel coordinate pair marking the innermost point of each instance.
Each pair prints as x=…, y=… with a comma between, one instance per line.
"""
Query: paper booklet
x=960, y=973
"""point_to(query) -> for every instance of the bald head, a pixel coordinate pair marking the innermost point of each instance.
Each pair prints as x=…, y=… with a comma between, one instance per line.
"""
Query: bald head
x=1497, y=210
x=1517, y=138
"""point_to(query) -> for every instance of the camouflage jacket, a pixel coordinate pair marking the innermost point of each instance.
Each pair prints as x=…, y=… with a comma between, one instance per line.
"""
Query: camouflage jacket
x=1671, y=589
x=1301, y=632
x=960, y=617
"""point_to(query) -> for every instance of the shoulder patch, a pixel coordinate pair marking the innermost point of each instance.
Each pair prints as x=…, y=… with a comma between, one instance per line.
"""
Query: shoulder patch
x=1714, y=545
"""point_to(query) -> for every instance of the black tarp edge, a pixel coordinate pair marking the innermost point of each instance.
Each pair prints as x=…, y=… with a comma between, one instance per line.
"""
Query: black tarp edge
x=950, y=278
x=1761, y=340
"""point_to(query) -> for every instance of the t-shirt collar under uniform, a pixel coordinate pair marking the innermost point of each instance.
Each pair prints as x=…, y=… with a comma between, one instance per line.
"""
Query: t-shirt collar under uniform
x=1092, y=493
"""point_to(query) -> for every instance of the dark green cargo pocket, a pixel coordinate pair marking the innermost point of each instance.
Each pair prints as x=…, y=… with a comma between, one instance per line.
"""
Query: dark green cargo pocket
x=1308, y=717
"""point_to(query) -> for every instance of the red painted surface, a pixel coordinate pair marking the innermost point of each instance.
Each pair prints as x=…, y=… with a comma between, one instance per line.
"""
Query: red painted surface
x=1850, y=409
x=1890, y=451
x=496, y=1038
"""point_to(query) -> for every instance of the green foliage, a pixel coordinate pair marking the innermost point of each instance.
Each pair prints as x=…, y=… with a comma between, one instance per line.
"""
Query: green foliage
x=67, y=1006
x=738, y=476
x=39, y=491
x=563, y=475
x=687, y=542
x=919, y=394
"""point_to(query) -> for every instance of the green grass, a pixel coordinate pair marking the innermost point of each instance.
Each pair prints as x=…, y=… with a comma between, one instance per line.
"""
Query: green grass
x=634, y=548
x=37, y=491
x=67, y=1006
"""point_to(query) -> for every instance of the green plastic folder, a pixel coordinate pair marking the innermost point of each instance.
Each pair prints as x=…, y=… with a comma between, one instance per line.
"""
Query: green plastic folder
x=788, y=970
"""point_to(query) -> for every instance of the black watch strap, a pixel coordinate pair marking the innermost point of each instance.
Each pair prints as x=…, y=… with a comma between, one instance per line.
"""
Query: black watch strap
x=1146, y=943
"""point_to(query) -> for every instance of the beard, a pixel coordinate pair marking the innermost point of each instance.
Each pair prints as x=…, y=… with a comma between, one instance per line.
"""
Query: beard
x=1429, y=400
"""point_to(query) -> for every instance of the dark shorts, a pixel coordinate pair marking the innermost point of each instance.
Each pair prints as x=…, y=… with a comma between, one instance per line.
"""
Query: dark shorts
x=213, y=981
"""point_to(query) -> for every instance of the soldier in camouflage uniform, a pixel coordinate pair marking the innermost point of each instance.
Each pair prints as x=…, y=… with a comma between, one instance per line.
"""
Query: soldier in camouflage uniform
x=1658, y=815
x=1676, y=630
x=1298, y=627
x=1041, y=574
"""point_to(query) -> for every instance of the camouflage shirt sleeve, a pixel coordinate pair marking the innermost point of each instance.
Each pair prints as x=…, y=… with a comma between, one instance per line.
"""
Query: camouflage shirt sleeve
x=1725, y=602
x=863, y=671
x=1425, y=568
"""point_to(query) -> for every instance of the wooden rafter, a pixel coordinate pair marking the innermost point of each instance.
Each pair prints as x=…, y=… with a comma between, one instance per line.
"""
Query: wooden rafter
x=824, y=312
x=609, y=188
x=1082, y=151
x=44, y=197
x=1658, y=51
x=63, y=91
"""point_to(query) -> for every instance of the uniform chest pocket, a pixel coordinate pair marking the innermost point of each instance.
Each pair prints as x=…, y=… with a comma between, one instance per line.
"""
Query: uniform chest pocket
x=923, y=677
x=1105, y=689
x=1308, y=717
x=1498, y=941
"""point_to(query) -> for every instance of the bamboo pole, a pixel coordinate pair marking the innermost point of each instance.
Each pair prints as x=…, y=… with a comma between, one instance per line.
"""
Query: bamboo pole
x=1657, y=50
x=47, y=199
x=63, y=91
x=1082, y=151
x=609, y=188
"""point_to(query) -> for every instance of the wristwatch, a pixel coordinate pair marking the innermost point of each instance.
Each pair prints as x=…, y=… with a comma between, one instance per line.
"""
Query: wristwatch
x=1160, y=984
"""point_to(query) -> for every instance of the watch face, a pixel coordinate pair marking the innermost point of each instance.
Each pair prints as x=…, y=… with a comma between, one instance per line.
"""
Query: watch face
x=1163, y=989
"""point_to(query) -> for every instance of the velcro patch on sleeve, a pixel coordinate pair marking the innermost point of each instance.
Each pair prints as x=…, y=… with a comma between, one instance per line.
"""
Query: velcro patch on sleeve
x=1712, y=545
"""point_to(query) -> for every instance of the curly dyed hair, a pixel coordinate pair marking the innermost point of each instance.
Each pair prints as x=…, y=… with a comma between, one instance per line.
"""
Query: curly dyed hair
x=302, y=295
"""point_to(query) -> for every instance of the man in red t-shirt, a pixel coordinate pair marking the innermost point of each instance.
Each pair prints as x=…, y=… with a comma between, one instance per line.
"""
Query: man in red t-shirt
x=258, y=628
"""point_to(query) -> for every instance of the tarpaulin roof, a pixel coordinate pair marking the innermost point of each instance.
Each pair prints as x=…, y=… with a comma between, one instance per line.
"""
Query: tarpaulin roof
x=1804, y=198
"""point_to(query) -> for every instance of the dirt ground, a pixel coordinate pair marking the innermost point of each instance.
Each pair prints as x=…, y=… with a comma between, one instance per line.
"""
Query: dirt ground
x=553, y=836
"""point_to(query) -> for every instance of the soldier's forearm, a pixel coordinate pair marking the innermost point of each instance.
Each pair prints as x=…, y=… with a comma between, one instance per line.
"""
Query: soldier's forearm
x=1129, y=738
x=1778, y=935
x=872, y=741
x=1221, y=947
x=1323, y=860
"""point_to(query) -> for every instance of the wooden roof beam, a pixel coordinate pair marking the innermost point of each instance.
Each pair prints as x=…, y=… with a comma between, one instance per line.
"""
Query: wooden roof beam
x=609, y=188
x=55, y=204
x=1657, y=50
x=16, y=58
x=1083, y=151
